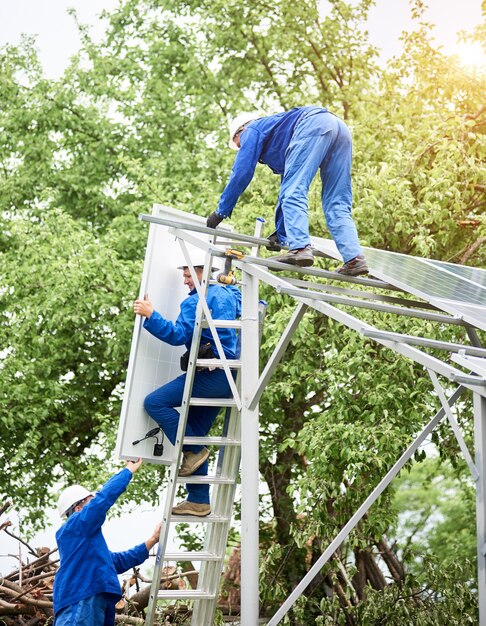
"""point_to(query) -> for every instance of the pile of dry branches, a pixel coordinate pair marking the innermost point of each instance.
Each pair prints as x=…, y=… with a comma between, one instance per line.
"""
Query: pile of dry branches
x=26, y=593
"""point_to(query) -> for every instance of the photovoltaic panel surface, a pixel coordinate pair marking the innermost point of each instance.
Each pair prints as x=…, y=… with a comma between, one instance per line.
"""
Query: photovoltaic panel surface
x=153, y=362
x=455, y=289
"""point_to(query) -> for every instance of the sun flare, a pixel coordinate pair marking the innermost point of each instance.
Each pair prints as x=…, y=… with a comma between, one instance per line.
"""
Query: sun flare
x=471, y=54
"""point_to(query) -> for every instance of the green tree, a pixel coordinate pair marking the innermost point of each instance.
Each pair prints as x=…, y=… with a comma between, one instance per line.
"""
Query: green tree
x=141, y=118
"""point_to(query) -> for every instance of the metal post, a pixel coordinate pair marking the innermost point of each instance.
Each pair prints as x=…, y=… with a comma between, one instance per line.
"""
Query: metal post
x=480, y=450
x=249, y=454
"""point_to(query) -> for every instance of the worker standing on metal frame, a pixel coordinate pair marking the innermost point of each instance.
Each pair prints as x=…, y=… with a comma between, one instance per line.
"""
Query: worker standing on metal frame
x=295, y=144
x=224, y=301
x=86, y=586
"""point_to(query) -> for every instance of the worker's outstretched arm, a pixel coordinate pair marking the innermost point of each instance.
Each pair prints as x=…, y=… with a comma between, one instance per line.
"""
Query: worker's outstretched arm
x=243, y=169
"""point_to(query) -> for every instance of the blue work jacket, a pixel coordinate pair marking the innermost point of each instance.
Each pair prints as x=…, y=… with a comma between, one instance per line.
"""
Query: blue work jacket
x=265, y=140
x=224, y=301
x=87, y=567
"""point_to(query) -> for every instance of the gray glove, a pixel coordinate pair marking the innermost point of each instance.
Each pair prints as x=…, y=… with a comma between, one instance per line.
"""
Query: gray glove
x=214, y=220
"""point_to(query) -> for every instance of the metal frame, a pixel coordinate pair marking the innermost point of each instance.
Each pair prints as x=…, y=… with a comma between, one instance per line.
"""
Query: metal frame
x=334, y=303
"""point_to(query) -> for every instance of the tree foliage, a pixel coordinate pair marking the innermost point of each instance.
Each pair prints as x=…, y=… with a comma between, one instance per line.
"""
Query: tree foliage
x=140, y=117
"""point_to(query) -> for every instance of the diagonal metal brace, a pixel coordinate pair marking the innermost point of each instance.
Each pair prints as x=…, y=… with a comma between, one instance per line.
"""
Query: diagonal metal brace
x=454, y=425
x=370, y=500
x=202, y=302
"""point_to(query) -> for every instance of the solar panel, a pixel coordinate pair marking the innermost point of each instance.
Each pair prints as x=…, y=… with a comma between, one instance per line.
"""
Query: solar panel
x=153, y=362
x=473, y=274
x=455, y=289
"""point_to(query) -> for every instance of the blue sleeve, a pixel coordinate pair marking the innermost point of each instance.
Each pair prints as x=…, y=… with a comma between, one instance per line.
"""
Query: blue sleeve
x=124, y=561
x=92, y=515
x=236, y=293
x=174, y=333
x=242, y=172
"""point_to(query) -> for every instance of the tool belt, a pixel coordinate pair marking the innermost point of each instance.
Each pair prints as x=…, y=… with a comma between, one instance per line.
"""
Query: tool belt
x=205, y=352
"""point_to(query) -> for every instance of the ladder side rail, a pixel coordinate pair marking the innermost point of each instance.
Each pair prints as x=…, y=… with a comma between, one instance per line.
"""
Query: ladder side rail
x=217, y=535
x=224, y=495
x=183, y=415
x=202, y=300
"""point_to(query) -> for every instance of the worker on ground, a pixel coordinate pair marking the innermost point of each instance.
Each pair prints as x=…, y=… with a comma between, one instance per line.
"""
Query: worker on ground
x=224, y=301
x=295, y=144
x=86, y=586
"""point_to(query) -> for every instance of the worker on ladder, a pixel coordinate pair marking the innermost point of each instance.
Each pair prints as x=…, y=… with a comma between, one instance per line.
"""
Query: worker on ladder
x=224, y=301
x=295, y=144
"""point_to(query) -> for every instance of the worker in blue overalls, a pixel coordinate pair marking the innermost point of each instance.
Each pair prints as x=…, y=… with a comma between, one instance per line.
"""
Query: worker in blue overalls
x=224, y=301
x=86, y=586
x=295, y=144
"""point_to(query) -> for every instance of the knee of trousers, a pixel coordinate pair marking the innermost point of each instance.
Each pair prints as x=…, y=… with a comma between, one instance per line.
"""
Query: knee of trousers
x=151, y=403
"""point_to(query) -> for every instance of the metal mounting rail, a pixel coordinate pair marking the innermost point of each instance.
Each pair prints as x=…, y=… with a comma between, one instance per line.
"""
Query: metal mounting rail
x=313, y=295
x=215, y=232
x=260, y=241
x=423, y=341
x=368, y=295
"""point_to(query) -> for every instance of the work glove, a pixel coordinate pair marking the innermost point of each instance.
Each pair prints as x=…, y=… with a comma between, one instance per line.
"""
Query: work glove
x=214, y=220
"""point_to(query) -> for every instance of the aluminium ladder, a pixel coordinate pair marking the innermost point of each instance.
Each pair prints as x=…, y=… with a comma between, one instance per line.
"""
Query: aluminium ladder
x=218, y=522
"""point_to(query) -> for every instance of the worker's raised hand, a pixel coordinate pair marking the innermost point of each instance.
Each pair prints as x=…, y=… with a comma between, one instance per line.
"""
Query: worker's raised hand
x=214, y=220
x=133, y=466
x=143, y=307
x=151, y=541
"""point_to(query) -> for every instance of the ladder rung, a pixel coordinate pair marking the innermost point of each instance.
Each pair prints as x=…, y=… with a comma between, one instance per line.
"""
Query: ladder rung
x=194, y=519
x=211, y=441
x=206, y=480
x=223, y=323
x=212, y=402
x=232, y=363
x=192, y=556
x=185, y=594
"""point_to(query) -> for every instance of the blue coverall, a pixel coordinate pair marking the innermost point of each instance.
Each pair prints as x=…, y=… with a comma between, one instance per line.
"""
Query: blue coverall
x=86, y=586
x=295, y=144
x=225, y=304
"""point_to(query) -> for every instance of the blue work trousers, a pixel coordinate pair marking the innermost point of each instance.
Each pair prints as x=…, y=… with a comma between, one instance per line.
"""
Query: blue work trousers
x=320, y=141
x=161, y=403
x=98, y=610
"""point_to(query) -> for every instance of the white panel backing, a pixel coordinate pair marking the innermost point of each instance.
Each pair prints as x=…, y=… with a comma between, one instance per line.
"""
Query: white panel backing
x=153, y=362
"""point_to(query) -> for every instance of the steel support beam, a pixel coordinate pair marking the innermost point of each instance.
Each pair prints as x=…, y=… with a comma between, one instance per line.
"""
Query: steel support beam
x=278, y=353
x=370, y=500
x=423, y=341
x=428, y=361
x=373, y=306
x=454, y=425
x=480, y=451
x=250, y=476
x=474, y=337
x=367, y=295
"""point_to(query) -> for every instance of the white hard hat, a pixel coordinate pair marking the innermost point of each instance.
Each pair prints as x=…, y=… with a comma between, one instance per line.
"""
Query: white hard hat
x=236, y=123
x=70, y=496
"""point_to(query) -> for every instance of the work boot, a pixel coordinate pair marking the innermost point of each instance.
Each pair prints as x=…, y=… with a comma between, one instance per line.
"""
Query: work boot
x=273, y=243
x=191, y=508
x=191, y=461
x=354, y=267
x=302, y=257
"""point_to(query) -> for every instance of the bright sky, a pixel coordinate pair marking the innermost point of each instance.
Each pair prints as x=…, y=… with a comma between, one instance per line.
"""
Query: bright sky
x=57, y=40
x=57, y=36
